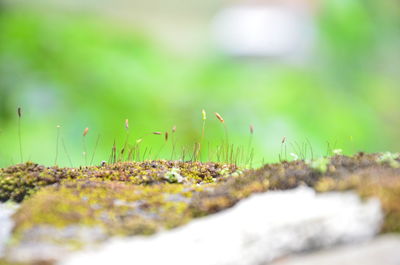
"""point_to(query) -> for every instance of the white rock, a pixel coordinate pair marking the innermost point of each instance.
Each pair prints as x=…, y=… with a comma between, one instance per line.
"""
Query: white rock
x=39, y=243
x=381, y=250
x=6, y=223
x=259, y=229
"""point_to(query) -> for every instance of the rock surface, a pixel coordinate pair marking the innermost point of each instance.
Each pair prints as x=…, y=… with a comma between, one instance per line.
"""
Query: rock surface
x=382, y=250
x=35, y=246
x=6, y=223
x=259, y=229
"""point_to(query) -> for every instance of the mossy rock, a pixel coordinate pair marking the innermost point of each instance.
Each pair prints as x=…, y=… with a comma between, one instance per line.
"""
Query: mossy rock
x=141, y=198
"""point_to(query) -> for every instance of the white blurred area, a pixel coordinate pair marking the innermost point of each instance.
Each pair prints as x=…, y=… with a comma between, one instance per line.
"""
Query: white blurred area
x=270, y=29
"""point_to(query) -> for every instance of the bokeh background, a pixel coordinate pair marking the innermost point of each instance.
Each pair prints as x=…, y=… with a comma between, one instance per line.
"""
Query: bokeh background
x=311, y=71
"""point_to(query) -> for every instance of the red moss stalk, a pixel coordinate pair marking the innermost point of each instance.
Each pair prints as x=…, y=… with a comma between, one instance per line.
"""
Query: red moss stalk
x=57, y=141
x=85, y=132
x=19, y=112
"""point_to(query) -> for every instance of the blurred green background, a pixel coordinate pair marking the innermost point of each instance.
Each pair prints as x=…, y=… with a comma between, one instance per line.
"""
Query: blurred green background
x=95, y=64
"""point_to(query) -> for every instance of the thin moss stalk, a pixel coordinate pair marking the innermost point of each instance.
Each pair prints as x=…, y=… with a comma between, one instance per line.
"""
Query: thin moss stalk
x=19, y=112
x=282, y=153
x=95, y=149
x=250, y=143
x=225, y=143
x=311, y=149
x=57, y=143
x=113, y=156
x=85, y=132
x=166, y=137
x=66, y=152
x=173, y=142
x=200, y=144
x=126, y=140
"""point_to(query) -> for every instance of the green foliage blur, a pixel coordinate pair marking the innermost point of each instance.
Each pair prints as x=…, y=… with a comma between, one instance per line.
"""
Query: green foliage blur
x=80, y=70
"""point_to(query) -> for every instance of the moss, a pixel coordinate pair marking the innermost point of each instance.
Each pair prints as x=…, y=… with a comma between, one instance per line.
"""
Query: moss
x=7, y=262
x=119, y=208
x=20, y=181
x=127, y=199
x=122, y=199
x=142, y=198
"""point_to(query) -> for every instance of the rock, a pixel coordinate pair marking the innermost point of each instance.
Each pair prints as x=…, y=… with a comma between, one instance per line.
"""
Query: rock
x=6, y=223
x=382, y=250
x=259, y=229
x=40, y=243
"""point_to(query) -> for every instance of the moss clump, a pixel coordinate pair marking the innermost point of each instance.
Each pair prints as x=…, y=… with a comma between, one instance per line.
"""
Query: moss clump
x=141, y=198
x=119, y=208
x=20, y=181
x=7, y=262
x=121, y=199
x=103, y=196
x=127, y=199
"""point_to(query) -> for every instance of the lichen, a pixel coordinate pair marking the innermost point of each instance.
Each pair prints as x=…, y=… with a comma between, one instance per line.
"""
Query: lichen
x=173, y=176
x=319, y=164
x=390, y=159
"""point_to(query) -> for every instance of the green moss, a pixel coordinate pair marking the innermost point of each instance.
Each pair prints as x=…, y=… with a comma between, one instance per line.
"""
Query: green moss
x=7, y=262
x=127, y=199
x=20, y=181
x=119, y=208
x=122, y=199
x=142, y=198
